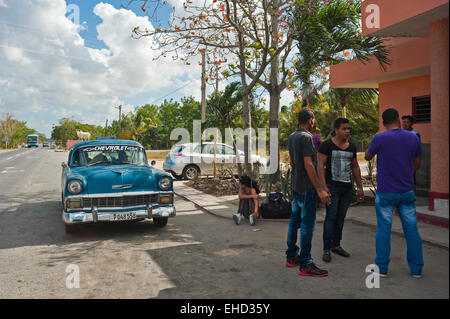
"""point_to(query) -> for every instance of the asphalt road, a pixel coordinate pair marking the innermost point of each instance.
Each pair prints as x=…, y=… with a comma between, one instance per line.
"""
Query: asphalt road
x=196, y=255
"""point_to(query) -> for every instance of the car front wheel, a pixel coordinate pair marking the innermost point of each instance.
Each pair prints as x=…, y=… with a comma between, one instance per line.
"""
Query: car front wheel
x=160, y=221
x=70, y=229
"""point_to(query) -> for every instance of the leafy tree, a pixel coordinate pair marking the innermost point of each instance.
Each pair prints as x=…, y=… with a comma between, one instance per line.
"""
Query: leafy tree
x=254, y=35
x=67, y=130
x=145, y=118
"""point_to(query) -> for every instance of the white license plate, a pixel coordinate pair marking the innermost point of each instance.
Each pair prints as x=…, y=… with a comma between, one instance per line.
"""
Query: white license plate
x=123, y=216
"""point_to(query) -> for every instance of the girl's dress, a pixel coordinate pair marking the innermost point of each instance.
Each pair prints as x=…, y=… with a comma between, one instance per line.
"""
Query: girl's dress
x=246, y=206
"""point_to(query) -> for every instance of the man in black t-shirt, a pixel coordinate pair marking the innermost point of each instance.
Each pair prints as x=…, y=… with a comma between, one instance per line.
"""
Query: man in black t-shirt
x=306, y=188
x=336, y=161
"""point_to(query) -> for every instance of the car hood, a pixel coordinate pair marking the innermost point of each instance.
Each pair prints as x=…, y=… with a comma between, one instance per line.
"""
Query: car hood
x=118, y=178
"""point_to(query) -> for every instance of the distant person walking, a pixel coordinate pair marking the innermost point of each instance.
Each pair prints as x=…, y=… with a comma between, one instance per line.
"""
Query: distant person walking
x=407, y=124
x=337, y=161
x=398, y=157
x=305, y=188
x=317, y=139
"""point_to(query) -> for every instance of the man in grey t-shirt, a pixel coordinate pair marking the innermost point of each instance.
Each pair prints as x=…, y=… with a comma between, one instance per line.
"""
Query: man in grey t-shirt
x=305, y=188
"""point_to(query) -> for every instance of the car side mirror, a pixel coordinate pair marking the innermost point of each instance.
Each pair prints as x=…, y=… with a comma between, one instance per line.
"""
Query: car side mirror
x=153, y=163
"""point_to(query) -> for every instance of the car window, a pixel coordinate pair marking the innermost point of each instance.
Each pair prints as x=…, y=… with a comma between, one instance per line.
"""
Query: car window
x=197, y=149
x=228, y=150
x=208, y=149
x=177, y=149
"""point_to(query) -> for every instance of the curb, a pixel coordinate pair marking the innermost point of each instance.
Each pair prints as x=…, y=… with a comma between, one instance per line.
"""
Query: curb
x=201, y=207
x=355, y=221
x=433, y=220
x=396, y=232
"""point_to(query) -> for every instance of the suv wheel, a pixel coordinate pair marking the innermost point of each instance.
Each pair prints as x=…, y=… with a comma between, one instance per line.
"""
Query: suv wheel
x=191, y=172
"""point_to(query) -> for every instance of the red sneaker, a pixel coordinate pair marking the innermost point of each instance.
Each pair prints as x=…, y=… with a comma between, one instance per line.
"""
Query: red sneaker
x=312, y=270
x=293, y=262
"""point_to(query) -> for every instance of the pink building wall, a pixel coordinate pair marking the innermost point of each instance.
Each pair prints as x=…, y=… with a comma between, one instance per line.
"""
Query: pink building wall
x=398, y=94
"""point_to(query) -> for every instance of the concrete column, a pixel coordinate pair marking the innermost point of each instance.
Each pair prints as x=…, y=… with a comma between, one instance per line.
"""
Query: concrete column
x=438, y=198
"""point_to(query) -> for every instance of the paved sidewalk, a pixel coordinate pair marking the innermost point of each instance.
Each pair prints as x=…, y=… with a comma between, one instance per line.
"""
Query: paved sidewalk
x=226, y=206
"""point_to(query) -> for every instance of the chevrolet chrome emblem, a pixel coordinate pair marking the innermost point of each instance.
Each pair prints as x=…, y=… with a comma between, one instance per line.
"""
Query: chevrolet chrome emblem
x=122, y=186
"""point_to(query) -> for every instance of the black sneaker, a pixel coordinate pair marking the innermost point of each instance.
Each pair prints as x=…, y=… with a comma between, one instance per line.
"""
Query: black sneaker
x=340, y=251
x=326, y=256
x=312, y=270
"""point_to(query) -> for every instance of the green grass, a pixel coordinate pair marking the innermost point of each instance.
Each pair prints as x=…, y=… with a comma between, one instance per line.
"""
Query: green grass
x=157, y=155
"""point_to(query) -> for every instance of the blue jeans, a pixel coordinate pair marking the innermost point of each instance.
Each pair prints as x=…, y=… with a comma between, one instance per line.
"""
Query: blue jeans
x=385, y=203
x=341, y=197
x=303, y=216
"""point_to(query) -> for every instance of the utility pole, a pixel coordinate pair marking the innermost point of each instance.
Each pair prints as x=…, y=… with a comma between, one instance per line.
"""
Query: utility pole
x=120, y=119
x=215, y=129
x=106, y=128
x=203, y=85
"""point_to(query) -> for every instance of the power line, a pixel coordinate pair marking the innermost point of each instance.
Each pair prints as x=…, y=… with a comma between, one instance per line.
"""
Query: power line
x=172, y=92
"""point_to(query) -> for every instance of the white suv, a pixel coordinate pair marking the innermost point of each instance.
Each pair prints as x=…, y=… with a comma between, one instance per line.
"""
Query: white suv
x=192, y=159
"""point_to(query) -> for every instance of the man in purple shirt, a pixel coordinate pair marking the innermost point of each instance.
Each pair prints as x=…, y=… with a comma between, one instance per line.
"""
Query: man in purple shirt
x=398, y=157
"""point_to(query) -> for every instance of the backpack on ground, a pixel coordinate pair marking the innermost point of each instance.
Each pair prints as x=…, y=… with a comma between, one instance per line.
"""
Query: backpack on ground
x=277, y=207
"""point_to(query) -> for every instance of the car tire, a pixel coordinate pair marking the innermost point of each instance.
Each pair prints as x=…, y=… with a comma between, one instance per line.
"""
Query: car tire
x=160, y=221
x=177, y=177
x=190, y=172
x=70, y=229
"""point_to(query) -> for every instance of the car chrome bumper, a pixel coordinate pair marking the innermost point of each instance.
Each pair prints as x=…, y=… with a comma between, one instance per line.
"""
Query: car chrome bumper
x=105, y=216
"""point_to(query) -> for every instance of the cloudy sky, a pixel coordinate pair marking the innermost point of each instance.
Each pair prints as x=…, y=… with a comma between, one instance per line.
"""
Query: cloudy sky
x=55, y=63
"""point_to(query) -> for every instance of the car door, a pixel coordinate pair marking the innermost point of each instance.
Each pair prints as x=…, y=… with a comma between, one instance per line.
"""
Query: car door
x=229, y=158
x=206, y=165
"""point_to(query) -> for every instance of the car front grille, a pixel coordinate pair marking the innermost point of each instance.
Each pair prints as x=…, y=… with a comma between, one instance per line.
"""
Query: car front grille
x=122, y=201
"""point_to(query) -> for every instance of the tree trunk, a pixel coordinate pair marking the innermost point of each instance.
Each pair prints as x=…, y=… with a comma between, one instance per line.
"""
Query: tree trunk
x=274, y=109
x=247, y=125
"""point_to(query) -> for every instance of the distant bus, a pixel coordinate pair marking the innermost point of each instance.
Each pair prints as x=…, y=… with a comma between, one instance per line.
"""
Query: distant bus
x=32, y=140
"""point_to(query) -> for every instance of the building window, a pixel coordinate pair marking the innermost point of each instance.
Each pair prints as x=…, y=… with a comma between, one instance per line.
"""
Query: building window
x=422, y=109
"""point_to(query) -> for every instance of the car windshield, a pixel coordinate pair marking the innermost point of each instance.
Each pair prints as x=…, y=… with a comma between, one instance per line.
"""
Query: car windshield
x=109, y=155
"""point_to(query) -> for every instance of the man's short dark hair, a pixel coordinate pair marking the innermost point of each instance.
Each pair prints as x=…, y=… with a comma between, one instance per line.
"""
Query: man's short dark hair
x=339, y=121
x=390, y=116
x=409, y=117
x=305, y=115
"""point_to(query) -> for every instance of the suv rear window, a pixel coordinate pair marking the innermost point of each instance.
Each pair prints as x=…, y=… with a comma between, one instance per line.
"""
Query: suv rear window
x=177, y=149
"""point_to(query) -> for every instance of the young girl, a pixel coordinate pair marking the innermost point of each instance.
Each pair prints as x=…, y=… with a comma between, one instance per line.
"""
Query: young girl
x=248, y=201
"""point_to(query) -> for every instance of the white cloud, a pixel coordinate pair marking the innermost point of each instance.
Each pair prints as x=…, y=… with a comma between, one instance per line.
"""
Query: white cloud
x=50, y=73
x=14, y=54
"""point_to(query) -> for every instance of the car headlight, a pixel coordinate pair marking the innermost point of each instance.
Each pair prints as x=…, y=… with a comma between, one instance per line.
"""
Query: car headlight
x=75, y=186
x=165, y=183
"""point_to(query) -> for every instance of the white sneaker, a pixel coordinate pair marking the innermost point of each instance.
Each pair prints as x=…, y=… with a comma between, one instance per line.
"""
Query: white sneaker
x=381, y=274
x=252, y=220
x=237, y=218
x=417, y=276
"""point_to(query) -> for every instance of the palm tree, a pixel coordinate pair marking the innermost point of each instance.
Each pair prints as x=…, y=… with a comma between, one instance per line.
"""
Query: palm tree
x=146, y=117
x=351, y=97
x=324, y=31
x=224, y=108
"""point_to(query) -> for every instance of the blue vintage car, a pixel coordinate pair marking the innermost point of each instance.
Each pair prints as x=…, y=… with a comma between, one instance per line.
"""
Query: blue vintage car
x=109, y=181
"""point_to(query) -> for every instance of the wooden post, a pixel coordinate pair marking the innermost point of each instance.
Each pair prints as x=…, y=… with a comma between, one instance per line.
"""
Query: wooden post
x=203, y=86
